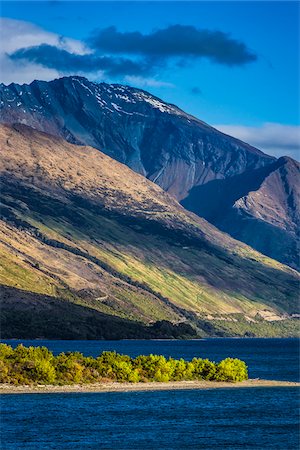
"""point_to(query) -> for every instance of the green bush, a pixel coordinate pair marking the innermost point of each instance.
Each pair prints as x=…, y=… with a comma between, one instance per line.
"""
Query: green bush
x=32, y=365
x=231, y=370
x=40, y=371
x=68, y=368
x=204, y=369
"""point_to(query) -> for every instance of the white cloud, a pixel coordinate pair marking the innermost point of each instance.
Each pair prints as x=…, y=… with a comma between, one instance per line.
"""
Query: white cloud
x=146, y=82
x=17, y=34
x=273, y=138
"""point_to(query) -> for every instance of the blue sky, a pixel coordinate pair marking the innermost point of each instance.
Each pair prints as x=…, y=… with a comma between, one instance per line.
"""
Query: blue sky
x=254, y=94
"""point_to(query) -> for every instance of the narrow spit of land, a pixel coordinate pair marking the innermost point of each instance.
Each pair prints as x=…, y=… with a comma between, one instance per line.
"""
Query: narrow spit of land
x=134, y=387
x=37, y=370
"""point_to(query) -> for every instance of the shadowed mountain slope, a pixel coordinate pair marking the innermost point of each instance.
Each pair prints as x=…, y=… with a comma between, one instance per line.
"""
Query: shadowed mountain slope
x=182, y=154
x=84, y=229
x=260, y=207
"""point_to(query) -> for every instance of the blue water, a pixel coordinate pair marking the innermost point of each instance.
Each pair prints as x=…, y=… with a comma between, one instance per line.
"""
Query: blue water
x=257, y=418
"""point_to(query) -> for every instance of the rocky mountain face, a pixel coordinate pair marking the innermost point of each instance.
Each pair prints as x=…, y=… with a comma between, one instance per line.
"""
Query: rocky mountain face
x=183, y=155
x=90, y=249
x=260, y=207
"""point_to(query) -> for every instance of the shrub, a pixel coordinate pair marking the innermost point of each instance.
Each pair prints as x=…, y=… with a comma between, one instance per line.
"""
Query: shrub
x=122, y=370
x=4, y=372
x=41, y=371
x=6, y=351
x=231, y=369
x=204, y=369
x=68, y=367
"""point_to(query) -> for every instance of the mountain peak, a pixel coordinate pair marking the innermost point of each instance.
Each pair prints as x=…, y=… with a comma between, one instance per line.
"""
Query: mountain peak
x=283, y=160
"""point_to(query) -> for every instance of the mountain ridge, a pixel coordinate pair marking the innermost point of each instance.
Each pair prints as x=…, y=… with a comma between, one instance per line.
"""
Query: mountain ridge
x=172, y=106
x=180, y=153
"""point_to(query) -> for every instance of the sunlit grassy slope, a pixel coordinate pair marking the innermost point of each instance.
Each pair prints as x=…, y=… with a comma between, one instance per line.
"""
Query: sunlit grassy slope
x=80, y=227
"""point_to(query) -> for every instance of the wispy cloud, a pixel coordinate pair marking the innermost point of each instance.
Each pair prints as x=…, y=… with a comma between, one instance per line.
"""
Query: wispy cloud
x=147, y=82
x=273, y=138
x=20, y=34
x=16, y=34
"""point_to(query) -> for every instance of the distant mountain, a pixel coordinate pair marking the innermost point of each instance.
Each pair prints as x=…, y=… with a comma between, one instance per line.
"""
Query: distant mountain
x=185, y=156
x=90, y=249
x=260, y=207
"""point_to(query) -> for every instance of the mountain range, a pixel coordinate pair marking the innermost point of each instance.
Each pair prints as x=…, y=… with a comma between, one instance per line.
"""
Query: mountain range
x=244, y=192
x=91, y=249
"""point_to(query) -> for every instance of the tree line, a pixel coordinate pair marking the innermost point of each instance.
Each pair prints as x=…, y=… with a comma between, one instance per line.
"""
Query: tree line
x=38, y=365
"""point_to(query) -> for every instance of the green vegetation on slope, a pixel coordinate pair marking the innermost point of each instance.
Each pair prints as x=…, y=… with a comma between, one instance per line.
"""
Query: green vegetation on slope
x=134, y=266
x=30, y=365
x=82, y=229
x=237, y=325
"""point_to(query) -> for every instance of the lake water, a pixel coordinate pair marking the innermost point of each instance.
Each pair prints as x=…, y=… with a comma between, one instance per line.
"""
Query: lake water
x=260, y=418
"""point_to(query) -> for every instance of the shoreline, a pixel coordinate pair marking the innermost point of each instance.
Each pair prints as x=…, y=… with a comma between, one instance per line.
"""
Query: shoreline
x=140, y=387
